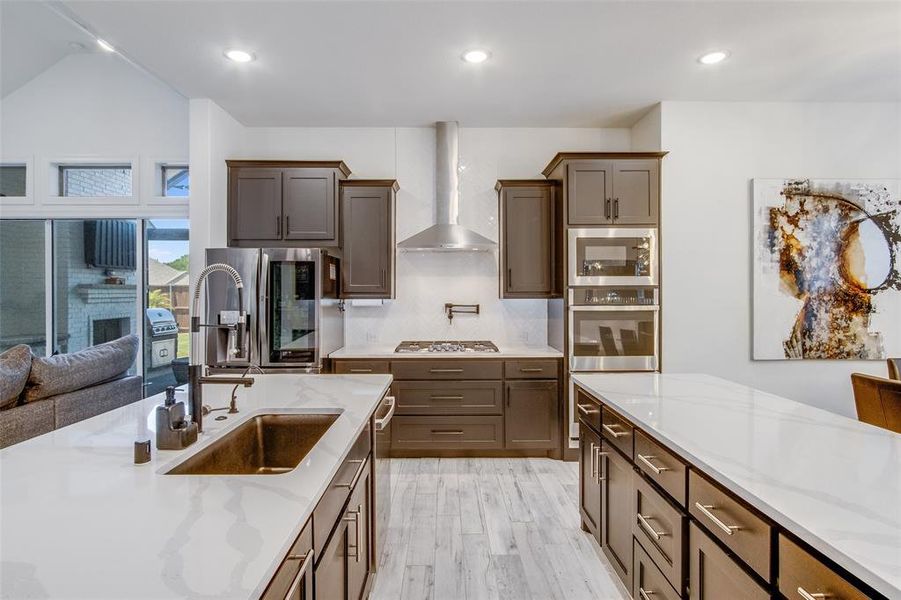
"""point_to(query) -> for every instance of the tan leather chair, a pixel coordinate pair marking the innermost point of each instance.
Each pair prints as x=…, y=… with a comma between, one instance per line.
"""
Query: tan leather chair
x=894, y=368
x=878, y=401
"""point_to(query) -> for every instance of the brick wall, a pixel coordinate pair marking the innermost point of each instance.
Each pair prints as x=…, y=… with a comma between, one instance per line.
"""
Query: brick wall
x=98, y=182
x=22, y=284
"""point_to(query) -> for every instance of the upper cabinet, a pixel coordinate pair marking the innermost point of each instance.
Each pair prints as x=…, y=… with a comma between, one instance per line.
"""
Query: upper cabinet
x=529, y=231
x=609, y=188
x=284, y=203
x=367, y=231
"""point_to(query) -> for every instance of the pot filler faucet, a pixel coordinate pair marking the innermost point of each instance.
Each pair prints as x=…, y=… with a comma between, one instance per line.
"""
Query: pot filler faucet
x=237, y=345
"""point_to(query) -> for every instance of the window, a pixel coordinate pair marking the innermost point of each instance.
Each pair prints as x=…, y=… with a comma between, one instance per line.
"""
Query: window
x=176, y=181
x=23, y=285
x=95, y=181
x=166, y=293
x=13, y=181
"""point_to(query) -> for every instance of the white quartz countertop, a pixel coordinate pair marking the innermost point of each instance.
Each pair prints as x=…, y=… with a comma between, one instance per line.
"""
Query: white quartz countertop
x=78, y=519
x=387, y=352
x=833, y=481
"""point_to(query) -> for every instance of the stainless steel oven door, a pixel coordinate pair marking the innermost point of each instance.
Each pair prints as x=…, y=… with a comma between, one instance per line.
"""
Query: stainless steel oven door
x=614, y=338
x=613, y=256
x=290, y=291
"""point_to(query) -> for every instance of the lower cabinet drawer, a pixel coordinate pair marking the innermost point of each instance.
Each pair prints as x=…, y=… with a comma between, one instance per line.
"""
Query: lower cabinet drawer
x=741, y=530
x=661, y=467
x=449, y=398
x=714, y=575
x=295, y=572
x=451, y=433
x=430, y=369
x=660, y=526
x=361, y=367
x=589, y=410
x=802, y=576
x=530, y=369
x=648, y=582
x=617, y=430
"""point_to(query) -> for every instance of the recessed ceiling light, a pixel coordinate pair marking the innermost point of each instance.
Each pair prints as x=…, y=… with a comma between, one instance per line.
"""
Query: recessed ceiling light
x=105, y=45
x=239, y=56
x=476, y=56
x=712, y=58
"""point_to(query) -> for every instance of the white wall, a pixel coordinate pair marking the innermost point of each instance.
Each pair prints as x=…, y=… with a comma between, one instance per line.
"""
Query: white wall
x=94, y=107
x=715, y=150
x=424, y=281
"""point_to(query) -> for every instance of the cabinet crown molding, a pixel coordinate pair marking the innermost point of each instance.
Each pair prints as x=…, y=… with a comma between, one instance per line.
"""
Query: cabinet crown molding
x=392, y=183
x=565, y=156
x=291, y=164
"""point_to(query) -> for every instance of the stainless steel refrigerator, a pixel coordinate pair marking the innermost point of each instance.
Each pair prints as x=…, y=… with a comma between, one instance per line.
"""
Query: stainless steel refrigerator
x=294, y=316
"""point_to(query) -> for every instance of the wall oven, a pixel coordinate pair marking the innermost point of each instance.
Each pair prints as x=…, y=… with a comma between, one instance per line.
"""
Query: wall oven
x=613, y=256
x=614, y=328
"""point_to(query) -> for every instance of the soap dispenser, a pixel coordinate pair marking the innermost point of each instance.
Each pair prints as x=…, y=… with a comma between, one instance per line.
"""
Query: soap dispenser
x=173, y=431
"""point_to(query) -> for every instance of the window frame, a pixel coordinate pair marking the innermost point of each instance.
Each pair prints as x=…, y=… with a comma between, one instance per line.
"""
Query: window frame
x=152, y=185
x=28, y=198
x=174, y=167
x=54, y=181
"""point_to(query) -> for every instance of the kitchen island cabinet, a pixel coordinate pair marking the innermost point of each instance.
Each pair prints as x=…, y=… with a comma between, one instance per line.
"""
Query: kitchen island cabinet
x=715, y=513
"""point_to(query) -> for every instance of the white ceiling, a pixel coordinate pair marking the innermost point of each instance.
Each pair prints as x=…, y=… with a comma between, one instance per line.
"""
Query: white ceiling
x=558, y=63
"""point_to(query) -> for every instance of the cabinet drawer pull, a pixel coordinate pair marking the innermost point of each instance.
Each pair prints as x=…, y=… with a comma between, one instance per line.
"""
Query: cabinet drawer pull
x=808, y=596
x=705, y=510
x=446, y=432
x=644, y=594
x=354, y=515
x=610, y=429
x=531, y=370
x=361, y=370
x=448, y=398
x=445, y=370
x=647, y=460
x=306, y=561
x=587, y=411
x=643, y=521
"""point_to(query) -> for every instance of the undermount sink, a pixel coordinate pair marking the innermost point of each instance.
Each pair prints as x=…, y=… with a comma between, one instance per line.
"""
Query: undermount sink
x=265, y=445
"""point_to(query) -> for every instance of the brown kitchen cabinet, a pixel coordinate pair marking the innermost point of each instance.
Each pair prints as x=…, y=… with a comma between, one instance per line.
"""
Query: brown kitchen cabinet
x=284, y=203
x=617, y=511
x=529, y=235
x=715, y=575
x=294, y=578
x=360, y=563
x=331, y=571
x=590, y=481
x=367, y=233
x=609, y=188
x=531, y=417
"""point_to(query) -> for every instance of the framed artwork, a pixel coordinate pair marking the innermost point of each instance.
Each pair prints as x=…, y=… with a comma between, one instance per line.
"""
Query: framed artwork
x=827, y=269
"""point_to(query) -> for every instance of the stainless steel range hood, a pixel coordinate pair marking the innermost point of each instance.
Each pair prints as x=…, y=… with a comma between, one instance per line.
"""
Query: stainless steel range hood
x=446, y=235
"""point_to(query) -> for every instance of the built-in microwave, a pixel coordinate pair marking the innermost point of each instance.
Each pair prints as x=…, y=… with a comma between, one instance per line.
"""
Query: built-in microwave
x=614, y=329
x=613, y=256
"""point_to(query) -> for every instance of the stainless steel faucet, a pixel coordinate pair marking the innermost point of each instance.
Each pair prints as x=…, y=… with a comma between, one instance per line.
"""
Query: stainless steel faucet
x=237, y=333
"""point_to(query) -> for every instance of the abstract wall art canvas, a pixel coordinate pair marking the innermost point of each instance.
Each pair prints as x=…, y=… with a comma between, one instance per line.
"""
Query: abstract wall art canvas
x=827, y=269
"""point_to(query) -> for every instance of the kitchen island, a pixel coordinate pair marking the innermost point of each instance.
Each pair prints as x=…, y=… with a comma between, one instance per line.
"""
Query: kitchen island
x=78, y=519
x=798, y=499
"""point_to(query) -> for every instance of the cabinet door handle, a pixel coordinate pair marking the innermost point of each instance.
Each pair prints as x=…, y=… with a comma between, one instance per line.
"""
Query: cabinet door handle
x=610, y=429
x=647, y=461
x=445, y=370
x=706, y=511
x=306, y=561
x=644, y=594
x=287, y=225
x=278, y=227
x=594, y=459
x=607, y=208
x=808, y=596
x=598, y=453
x=354, y=515
x=646, y=525
x=616, y=208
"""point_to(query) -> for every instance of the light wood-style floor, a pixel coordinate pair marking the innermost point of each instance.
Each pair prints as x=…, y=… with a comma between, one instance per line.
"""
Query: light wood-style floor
x=491, y=528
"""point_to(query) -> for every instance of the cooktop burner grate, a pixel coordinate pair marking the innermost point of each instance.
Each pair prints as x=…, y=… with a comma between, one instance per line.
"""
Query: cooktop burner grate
x=445, y=346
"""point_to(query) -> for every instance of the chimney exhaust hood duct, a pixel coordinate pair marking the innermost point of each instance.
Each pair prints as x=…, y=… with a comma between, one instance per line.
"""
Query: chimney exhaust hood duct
x=446, y=235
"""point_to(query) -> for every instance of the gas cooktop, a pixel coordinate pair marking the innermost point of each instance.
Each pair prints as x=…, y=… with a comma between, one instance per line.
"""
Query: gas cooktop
x=445, y=346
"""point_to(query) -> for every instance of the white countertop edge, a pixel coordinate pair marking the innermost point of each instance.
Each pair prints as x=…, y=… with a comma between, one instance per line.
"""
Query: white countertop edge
x=859, y=570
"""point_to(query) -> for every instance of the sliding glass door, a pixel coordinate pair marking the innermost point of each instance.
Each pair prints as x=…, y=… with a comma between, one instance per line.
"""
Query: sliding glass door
x=23, y=285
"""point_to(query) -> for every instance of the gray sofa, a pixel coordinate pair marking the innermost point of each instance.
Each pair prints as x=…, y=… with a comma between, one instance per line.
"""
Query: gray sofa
x=40, y=394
